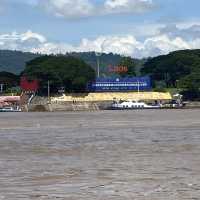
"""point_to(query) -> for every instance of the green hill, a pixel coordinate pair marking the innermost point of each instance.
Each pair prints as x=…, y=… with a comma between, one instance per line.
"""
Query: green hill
x=105, y=60
x=15, y=61
x=179, y=69
x=173, y=67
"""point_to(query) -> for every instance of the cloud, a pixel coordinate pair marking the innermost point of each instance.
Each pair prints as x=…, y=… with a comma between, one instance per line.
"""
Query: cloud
x=163, y=41
x=85, y=8
x=76, y=9
x=68, y=8
x=127, y=6
x=25, y=41
x=190, y=33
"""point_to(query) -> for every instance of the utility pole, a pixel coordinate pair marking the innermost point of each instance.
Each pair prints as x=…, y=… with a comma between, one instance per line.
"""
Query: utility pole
x=49, y=92
x=138, y=84
x=98, y=63
x=1, y=87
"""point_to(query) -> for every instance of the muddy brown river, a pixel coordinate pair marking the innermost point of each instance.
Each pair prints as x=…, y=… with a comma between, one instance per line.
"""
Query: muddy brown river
x=118, y=155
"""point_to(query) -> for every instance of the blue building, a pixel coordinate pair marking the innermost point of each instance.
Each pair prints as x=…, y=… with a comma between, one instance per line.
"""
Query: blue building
x=120, y=84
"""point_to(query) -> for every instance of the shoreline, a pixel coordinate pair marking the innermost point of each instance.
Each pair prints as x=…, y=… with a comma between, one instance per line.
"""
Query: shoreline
x=92, y=106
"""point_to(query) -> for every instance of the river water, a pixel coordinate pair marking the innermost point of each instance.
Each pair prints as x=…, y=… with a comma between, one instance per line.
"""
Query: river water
x=119, y=155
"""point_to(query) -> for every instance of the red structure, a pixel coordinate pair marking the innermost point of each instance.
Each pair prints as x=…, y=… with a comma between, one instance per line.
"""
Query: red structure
x=29, y=86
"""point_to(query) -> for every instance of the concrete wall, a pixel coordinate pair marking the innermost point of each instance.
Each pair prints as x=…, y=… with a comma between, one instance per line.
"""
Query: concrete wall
x=63, y=106
x=96, y=97
x=90, y=101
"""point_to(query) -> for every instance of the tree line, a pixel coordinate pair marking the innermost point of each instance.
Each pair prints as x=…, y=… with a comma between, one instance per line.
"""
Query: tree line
x=180, y=69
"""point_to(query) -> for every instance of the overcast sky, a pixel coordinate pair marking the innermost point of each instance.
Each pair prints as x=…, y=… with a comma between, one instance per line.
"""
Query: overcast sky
x=139, y=28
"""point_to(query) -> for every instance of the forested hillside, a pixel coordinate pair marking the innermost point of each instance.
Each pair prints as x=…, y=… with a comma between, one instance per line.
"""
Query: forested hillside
x=15, y=61
x=106, y=60
x=180, y=69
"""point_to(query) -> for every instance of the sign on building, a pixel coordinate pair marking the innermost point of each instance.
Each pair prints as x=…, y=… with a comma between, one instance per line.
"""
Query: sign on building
x=120, y=84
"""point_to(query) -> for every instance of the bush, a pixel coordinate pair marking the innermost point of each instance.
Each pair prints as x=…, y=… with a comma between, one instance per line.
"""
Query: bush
x=191, y=95
x=61, y=71
x=159, y=89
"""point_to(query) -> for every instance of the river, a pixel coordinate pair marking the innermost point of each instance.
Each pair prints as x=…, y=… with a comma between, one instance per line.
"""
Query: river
x=118, y=155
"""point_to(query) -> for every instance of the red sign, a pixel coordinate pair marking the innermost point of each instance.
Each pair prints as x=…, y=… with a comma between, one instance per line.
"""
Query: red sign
x=118, y=69
x=27, y=85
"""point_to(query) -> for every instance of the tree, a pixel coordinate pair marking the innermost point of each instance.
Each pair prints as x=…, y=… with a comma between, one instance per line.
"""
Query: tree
x=172, y=67
x=67, y=71
x=9, y=79
x=191, y=86
x=130, y=64
x=191, y=81
x=79, y=83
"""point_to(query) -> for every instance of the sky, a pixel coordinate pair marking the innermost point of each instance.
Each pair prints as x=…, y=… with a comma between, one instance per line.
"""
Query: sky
x=137, y=28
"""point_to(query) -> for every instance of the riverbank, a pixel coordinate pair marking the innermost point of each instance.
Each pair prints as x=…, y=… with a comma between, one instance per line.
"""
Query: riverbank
x=192, y=104
x=84, y=106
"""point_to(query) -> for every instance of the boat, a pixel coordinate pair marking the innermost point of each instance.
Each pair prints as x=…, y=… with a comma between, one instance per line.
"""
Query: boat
x=10, y=109
x=174, y=104
x=130, y=104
